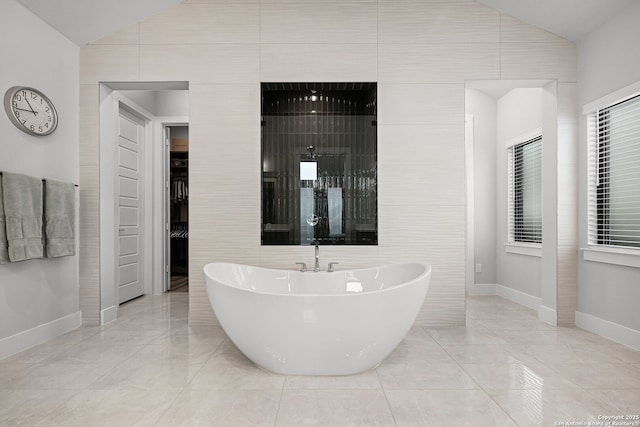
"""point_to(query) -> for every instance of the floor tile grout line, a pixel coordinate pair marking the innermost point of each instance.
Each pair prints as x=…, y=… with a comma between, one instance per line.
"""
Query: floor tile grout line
x=504, y=410
x=170, y=405
x=386, y=398
x=275, y=421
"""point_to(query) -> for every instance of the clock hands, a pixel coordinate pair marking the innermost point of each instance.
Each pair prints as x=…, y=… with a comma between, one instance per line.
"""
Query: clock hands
x=35, y=113
x=23, y=109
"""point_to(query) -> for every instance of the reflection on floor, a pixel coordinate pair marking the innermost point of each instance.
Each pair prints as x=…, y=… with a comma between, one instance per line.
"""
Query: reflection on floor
x=150, y=368
x=179, y=284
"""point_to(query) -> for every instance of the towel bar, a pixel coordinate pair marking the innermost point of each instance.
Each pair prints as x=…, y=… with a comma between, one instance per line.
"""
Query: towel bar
x=43, y=180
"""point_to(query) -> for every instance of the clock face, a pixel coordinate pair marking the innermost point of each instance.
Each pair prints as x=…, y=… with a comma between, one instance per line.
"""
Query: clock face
x=30, y=110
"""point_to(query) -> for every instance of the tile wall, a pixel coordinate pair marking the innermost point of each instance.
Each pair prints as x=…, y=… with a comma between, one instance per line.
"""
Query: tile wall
x=419, y=52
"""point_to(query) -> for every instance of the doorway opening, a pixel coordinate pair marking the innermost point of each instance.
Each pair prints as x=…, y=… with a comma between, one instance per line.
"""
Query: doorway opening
x=145, y=110
x=499, y=115
x=178, y=209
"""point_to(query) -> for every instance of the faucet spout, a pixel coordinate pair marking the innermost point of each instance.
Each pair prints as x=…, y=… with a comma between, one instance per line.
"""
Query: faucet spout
x=316, y=265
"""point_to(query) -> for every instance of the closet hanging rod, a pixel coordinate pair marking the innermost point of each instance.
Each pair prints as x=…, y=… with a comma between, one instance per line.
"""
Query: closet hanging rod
x=43, y=180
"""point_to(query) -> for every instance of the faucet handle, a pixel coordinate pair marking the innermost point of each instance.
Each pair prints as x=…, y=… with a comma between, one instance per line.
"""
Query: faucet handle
x=331, y=264
x=303, y=266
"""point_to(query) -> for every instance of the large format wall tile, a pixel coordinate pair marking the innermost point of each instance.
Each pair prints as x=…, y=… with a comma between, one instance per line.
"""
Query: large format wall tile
x=349, y=257
x=224, y=190
x=567, y=123
x=418, y=166
x=212, y=63
x=437, y=22
x=318, y=22
x=108, y=63
x=419, y=223
x=421, y=104
x=219, y=22
x=89, y=209
x=567, y=219
x=438, y=63
x=444, y=303
x=89, y=125
x=539, y=61
x=318, y=62
x=431, y=183
x=231, y=104
x=430, y=144
x=512, y=29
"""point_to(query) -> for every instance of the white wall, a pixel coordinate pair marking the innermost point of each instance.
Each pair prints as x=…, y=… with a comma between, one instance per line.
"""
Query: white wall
x=608, y=60
x=483, y=108
x=38, y=298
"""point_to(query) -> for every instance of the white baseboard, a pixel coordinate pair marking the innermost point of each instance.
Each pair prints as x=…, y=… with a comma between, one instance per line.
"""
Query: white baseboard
x=548, y=315
x=108, y=314
x=38, y=335
x=482, y=289
x=613, y=331
x=519, y=297
x=545, y=314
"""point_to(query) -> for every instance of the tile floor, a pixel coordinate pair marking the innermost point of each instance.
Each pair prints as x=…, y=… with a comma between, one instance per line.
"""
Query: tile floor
x=150, y=368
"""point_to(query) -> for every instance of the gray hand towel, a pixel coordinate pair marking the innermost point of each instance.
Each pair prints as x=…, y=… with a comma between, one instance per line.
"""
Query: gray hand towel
x=23, y=214
x=59, y=218
x=4, y=250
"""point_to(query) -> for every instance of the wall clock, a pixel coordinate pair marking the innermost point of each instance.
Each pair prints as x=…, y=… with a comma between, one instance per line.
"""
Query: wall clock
x=30, y=110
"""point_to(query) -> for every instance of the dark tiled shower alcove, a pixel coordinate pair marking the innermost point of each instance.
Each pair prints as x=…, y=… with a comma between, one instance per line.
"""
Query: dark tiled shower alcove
x=319, y=163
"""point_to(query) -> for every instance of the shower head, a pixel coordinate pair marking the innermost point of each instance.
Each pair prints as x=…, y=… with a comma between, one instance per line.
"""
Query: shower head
x=310, y=149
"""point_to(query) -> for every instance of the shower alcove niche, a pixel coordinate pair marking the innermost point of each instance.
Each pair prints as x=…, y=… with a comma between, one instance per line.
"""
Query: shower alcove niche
x=319, y=164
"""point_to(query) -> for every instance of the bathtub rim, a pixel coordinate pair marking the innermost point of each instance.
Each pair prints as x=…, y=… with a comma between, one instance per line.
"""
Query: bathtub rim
x=425, y=273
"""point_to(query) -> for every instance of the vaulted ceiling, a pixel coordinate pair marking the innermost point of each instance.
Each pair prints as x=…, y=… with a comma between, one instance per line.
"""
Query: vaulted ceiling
x=83, y=21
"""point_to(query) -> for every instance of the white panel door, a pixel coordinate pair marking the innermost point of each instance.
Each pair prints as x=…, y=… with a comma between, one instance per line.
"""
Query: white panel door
x=129, y=215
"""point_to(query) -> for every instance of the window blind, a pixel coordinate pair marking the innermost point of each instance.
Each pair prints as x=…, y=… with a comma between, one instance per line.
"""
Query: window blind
x=614, y=175
x=525, y=191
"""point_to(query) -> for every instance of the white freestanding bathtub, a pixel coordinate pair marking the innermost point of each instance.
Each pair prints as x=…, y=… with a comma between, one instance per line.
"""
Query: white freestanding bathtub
x=308, y=323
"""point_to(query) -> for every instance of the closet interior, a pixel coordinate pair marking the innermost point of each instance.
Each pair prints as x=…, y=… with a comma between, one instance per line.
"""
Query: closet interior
x=179, y=208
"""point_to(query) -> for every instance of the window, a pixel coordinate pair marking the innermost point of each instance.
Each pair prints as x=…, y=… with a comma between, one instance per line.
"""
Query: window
x=319, y=163
x=614, y=174
x=525, y=191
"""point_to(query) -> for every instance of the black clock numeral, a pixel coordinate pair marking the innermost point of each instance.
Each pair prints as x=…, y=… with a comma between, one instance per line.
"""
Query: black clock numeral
x=32, y=127
x=40, y=129
x=18, y=97
x=24, y=93
x=46, y=125
x=48, y=118
x=17, y=114
x=34, y=96
x=47, y=109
